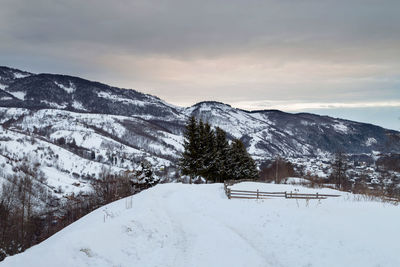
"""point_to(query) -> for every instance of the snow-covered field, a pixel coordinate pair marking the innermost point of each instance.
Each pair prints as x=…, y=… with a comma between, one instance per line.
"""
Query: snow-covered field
x=196, y=225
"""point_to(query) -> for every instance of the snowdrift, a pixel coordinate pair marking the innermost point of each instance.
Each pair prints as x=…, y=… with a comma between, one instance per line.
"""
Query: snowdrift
x=196, y=225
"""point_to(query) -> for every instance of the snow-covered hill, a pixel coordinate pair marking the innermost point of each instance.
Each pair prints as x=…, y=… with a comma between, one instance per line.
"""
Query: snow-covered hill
x=266, y=133
x=34, y=91
x=69, y=149
x=51, y=116
x=196, y=225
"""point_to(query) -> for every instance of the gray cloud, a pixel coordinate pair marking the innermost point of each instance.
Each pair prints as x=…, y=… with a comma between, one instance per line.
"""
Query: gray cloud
x=228, y=50
x=206, y=28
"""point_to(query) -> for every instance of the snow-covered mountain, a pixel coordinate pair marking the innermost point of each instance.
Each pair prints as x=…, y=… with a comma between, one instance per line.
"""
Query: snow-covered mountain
x=73, y=127
x=196, y=225
x=38, y=91
x=272, y=132
x=266, y=132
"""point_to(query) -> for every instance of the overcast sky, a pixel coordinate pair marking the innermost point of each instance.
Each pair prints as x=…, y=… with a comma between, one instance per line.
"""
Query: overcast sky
x=340, y=58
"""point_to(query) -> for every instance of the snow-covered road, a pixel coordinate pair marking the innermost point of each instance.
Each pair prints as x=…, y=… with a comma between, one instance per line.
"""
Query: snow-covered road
x=196, y=225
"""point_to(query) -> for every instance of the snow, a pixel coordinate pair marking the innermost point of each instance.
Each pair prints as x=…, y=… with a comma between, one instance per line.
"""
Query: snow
x=114, y=98
x=8, y=113
x=19, y=94
x=174, y=140
x=340, y=127
x=307, y=123
x=264, y=134
x=2, y=86
x=57, y=179
x=295, y=180
x=78, y=105
x=262, y=117
x=69, y=89
x=57, y=164
x=196, y=225
x=19, y=75
x=70, y=168
x=233, y=121
x=371, y=141
x=6, y=98
x=52, y=104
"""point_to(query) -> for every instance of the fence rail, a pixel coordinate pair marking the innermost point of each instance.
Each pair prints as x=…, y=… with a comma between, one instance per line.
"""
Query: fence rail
x=246, y=194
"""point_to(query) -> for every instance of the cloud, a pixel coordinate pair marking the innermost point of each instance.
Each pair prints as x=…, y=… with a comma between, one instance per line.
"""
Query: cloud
x=188, y=28
x=233, y=51
x=293, y=106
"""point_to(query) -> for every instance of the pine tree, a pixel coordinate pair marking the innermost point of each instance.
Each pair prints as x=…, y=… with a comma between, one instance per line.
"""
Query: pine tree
x=189, y=160
x=208, y=152
x=201, y=148
x=251, y=171
x=220, y=162
x=340, y=167
x=145, y=174
x=241, y=165
x=235, y=160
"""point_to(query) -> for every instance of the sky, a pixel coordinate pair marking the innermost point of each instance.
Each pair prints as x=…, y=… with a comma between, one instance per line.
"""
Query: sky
x=332, y=57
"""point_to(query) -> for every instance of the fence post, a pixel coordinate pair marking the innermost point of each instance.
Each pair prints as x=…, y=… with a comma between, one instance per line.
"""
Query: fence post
x=229, y=193
x=285, y=194
x=257, y=193
x=317, y=194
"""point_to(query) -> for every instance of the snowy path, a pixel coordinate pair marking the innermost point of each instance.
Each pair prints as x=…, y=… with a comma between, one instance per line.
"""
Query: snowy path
x=203, y=239
x=195, y=225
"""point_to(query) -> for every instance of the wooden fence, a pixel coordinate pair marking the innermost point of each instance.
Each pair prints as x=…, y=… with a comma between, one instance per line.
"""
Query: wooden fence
x=245, y=194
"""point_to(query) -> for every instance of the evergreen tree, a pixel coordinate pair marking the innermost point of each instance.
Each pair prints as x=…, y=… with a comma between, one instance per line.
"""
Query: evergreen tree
x=145, y=174
x=208, y=152
x=235, y=160
x=201, y=147
x=189, y=160
x=340, y=167
x=241, y=165
x=220, y=162
x=251, y=171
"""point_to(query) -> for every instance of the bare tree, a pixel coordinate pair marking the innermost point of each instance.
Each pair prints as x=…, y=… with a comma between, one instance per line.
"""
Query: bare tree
x=339, y=169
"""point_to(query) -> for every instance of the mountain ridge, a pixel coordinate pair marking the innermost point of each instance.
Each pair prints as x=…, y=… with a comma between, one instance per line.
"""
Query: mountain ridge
x=65, y=92
x=72, y=128
x=200, y=103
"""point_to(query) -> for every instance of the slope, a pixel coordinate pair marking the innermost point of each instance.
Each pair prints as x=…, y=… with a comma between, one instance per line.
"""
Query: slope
x=195, y=225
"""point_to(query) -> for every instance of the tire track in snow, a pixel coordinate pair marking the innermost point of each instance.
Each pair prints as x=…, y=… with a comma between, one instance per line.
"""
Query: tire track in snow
x=192, y=216
x=181, y=242
x=254, y=247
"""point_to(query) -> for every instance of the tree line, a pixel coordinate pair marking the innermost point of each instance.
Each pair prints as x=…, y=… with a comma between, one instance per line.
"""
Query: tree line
x=208, y=154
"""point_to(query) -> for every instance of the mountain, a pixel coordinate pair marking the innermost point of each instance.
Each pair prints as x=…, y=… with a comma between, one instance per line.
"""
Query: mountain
x=40, y=91
x=196, y=225
x=67, y=124
x=267, y=132
x=273, y=132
